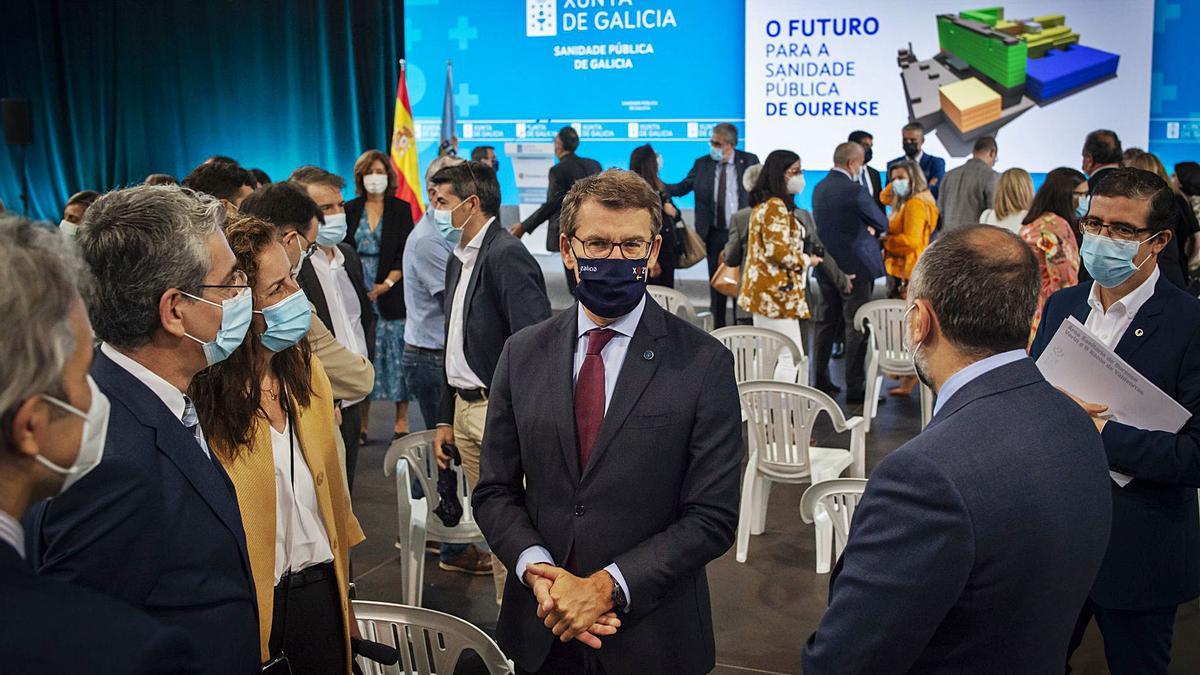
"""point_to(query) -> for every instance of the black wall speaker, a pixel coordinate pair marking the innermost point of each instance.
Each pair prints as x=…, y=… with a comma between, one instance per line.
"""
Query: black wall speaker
x=18, y=121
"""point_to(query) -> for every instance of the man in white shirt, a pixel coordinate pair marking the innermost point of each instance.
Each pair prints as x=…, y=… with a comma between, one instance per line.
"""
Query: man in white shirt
x=1153, y=560
x=157, y=524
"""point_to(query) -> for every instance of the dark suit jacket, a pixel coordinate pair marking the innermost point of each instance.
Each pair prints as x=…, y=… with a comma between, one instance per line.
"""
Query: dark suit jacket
x=310, y=283
x=702, y=179
x=934, y=169
x=659, y=496
x=843, y=211
x=563, y=175
x=52, y=628
x=155, y=525
x=396, y=226
x=1153, y=559
x=976, y=542
x=506, y=292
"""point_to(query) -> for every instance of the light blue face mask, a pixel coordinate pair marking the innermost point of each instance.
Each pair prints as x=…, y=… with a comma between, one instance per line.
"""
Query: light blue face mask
x=445, y=225
x=900, y=187
x=333, y=230
x=1110, y=261
x=287, y=322
x=1081, y=208
x=235, y=321
x=716, y=153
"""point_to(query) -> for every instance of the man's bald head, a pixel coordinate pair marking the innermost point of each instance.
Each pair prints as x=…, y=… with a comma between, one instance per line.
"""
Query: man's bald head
x=982, y=283
x=846, y=153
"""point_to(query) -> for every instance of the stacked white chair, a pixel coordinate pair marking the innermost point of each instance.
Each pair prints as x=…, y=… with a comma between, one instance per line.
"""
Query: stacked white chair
x=678, y=304
x=429, y=642
x=763, y=354
x=412, y=457
x=781, y=417
x=835, y=501
x=883, y=322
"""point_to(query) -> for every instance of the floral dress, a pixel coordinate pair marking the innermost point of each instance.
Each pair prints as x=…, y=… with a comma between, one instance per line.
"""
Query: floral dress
x=389, y=335
x=1053, y=244
x=775, y=262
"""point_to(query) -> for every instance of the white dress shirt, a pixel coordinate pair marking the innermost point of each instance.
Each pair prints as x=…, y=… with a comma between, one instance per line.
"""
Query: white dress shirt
x=165, y=391
x=307, y=542
x=1109, y=327
x=458, y=372
x=865, y=180
x=344, y=309
x=613, y=355
x=12, y=533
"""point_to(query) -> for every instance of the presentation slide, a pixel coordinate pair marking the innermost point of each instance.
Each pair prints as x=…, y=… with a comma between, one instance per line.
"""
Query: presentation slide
x=1033, y=74
x=622, y=72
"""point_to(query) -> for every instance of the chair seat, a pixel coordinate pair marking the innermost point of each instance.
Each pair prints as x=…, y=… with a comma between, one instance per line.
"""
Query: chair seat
x=826, y=463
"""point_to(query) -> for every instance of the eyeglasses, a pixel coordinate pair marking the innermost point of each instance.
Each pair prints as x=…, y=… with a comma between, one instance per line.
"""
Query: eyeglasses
x=1094, y=226
x=631, y=249
x=237, y=281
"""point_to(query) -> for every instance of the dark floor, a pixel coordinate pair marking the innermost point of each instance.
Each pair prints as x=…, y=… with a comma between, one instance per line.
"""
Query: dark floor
x=763, y=610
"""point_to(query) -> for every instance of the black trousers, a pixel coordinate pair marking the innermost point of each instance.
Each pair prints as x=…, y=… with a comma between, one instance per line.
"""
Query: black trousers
x=351, y=428
x=1135, y=642
x=315, y=643
x=570, y=658
x=715, y=242
x=834, y=315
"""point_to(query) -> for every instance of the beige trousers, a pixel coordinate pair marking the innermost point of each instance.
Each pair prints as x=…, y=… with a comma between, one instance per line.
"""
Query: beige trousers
x=470, y=417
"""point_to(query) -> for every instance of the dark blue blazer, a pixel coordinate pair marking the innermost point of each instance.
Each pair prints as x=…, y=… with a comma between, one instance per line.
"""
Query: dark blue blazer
x=1153, y=558
x=843, y=210
x=976, y=542
x=156, y=525
x=702, y=180
x=934, y=169
x=51, y=627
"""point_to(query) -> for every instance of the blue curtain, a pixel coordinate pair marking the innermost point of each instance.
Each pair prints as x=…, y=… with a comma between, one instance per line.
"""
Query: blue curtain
x=124, y=88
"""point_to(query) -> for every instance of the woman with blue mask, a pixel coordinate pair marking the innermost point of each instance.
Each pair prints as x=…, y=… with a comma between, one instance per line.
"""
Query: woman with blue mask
x=1049, y=230
x=268, y=416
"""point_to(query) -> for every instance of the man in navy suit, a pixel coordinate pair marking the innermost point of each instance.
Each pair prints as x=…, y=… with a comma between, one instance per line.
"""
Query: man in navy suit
x=156, y=524
x=1153, y=559
x=54, y=422
x=976, y=540
x=716, y=178
x=848, y=223
x=912, y=138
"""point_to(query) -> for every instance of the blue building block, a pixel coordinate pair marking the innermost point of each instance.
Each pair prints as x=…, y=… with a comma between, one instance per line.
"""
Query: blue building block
x=1064, y=70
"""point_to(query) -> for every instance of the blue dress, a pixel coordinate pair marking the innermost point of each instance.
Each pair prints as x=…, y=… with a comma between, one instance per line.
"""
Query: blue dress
x=389, y=335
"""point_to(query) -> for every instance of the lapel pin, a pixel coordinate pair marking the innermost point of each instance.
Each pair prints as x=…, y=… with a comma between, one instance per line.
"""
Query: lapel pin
x=1139, y=332
x=648, y=355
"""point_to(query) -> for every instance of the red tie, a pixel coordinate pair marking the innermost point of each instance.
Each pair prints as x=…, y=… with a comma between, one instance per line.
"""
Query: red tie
x=589, y=393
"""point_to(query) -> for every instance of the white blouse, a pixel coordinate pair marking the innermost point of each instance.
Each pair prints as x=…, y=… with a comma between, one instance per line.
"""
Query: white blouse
x=300, y=537
x=1012, y=222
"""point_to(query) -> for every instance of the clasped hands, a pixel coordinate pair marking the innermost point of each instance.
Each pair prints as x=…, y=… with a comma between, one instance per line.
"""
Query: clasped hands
x=574, y=608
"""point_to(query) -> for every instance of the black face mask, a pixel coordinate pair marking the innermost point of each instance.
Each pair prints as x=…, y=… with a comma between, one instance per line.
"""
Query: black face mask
x=867, y=154
x=911, y=149
x=611, y=287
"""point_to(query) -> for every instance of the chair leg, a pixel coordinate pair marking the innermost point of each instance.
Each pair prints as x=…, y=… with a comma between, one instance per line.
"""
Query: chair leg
x=746, y=512
x=762, y=495
x=824, y=534
x=414, y=578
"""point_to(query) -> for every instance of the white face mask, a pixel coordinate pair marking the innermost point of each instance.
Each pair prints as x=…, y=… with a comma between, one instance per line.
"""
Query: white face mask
x=91, y=444
x=795, y=184
x=68, y=228
x=375, y=183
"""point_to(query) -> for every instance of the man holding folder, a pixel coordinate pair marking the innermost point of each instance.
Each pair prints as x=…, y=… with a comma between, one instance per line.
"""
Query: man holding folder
x=1153, y=559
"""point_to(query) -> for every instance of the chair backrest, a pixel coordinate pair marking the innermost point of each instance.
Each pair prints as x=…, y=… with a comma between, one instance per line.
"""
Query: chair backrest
x=428, y=641
x=674, y=302
x=416, y=450
x=781, y=417
x=756, y=351
x=885, y=321
x=839, y=496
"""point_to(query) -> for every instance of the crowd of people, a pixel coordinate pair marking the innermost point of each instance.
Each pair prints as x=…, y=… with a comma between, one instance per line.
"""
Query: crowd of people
x=192, y=367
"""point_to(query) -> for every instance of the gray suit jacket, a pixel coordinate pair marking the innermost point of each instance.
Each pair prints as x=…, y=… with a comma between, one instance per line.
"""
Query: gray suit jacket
x=965, y=193
x=659, y=496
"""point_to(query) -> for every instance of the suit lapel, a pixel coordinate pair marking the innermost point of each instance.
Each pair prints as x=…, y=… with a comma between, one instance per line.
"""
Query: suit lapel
x=472, y=283
x=635, y=375
x=562, y=401
x=1144, y=323
x=312, y=290
x=174, y=441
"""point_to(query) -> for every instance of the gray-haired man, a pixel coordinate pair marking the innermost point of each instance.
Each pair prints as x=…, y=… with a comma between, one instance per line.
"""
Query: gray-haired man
x=157, y=524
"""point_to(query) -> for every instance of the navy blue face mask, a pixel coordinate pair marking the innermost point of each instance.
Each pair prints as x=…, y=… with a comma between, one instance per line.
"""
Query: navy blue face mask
x=611, y=287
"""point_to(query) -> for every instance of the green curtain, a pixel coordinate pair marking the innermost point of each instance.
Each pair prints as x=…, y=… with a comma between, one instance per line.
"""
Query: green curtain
x=124, y=88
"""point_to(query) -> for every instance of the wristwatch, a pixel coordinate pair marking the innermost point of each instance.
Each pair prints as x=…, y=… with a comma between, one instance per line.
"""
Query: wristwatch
x=618, y=594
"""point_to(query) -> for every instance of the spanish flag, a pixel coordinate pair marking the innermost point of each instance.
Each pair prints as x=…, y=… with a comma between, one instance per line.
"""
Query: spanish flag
x=404, y=152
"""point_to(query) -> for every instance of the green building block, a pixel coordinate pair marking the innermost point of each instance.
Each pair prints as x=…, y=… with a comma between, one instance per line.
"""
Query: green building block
x=1000, y=56
x=987, y=15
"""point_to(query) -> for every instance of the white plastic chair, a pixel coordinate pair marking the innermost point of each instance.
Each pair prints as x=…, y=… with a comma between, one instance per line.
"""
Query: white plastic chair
x=428, y=641
x=835, y=501
x=678, y=304
x=883, y=322
x=412, y=457
x=781, y=418
x=764, y=354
